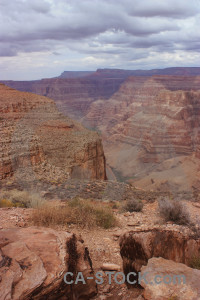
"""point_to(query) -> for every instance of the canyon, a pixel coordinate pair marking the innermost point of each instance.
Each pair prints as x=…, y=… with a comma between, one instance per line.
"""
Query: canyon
x=150, y=132
x=148, y=120
x=38, y=143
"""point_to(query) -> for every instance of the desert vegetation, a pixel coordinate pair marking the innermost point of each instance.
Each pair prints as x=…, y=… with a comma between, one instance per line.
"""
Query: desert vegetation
x=84, y=213
x=16, y=198
x=133, y=205
x=175, y=211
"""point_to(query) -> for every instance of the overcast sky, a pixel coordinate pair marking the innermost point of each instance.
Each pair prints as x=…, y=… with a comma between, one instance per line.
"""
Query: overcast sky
x=42, y=38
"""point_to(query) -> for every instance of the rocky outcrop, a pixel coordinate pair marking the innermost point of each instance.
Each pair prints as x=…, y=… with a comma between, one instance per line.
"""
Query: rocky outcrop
x=175, y=280
x=39, y=143
x=137, y=247
x=33, y=263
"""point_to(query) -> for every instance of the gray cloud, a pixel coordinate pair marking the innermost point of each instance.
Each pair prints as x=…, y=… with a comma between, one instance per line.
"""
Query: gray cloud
x=173, y=9
x=93, y=30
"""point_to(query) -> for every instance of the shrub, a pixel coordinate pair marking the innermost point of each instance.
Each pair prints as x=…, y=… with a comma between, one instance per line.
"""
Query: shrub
x=133, y=205
x=35, y=201
x=174, y=211
x=116, y=205
x=91, y=214
x=5, y=203
x=173, y=298
x=49, y=215
x=84, y=213
x=104, y=218
x=18, y=198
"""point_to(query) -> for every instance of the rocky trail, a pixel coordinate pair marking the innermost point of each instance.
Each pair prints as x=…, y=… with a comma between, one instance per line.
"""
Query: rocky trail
x=103, y=245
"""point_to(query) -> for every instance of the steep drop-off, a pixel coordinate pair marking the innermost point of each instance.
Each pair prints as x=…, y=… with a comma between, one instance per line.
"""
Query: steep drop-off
x=72, y=95
x=37, y=142
x=149, y=125
x=151, y=132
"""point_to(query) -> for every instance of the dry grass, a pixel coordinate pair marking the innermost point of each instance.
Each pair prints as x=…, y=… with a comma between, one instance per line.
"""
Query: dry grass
x=16, y=198
x=174, y=211
x=5, y=203
x=84, y=213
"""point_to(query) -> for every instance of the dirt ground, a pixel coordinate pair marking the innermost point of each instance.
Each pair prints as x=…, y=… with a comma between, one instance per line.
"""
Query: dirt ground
x=103, y=244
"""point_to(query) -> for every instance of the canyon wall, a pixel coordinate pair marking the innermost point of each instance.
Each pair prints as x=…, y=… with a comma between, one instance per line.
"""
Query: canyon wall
x=150, y=129
x=40, y=143
x=149, y=125
x=73, y=96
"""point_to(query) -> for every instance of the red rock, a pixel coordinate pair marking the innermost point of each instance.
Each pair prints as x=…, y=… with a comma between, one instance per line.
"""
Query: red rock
x=110, y=267
x=39, y=143
x=174, y=290
x=149, y=125
x=137, y=247
x=33, y=263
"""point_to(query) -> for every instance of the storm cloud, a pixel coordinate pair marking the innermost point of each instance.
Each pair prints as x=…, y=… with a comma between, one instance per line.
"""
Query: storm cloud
x=42, y=38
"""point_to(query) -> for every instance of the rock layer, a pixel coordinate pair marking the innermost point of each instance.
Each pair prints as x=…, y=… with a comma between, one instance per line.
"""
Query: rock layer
x=150, y=129
x=38, y=142
x=72, y=95
x=150, y=125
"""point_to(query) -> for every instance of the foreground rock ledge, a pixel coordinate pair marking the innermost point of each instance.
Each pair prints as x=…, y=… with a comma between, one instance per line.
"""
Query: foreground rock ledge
x=137, y=247
x=168, y=271
x=33, y=263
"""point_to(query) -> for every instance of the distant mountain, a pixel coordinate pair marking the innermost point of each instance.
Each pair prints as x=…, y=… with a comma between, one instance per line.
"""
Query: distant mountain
x=75, y=74
x=121, y=73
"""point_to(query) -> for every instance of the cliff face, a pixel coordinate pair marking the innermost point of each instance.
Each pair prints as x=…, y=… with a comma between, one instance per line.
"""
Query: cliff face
x=39, y=143
x=149, y=125
x=73, y=95
x=151, y=131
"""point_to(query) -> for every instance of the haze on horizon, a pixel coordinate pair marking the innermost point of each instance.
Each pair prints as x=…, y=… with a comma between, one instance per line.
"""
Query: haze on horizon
x=43, y=38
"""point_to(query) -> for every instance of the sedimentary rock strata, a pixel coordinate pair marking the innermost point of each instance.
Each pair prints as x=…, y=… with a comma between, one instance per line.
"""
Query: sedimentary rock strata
x=37, y=142
x=150, y=125
x=150, y=129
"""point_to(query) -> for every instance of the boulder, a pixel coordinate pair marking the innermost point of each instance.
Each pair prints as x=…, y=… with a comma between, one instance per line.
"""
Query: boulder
x=110, y=267
x=33, y=262
x=170, y=286
x=137, y=247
